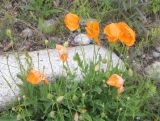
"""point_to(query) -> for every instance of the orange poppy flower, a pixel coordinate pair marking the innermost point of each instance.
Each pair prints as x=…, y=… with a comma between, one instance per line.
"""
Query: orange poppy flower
x=72, y=21
x=115, y=80
x=93, y=30
x=35, y=77
x=63, y=52
x=127, y=35
x=112, y=31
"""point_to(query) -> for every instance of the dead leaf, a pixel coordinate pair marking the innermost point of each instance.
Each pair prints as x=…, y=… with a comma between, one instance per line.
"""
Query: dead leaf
x=26, y=33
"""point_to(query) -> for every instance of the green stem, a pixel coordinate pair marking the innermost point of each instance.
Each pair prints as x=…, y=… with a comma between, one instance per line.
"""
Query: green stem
x=50, y=61
x=7, y=82
x=10, y=72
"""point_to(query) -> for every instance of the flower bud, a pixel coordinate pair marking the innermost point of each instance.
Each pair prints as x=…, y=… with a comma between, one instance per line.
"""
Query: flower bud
x=49, y=96
x=83, y=110
x=120, y=109
x=104, y=81
x=97, y=67
x=81, y=118
x=103, y=115
x=52, y=114
x=75, y=98
x=130, y=72
x=66, y=44
x=19, y=117
x=60, y=99
x=19, y=99
x=8, y=32
x=83, y=95
x=46, y=42
x=13, y=109
x=24, y=97
x=104, y=61
x=68, y=72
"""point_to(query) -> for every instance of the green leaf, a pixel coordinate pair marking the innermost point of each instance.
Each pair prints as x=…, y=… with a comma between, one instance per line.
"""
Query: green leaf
x=86, y=117
x=98, y=90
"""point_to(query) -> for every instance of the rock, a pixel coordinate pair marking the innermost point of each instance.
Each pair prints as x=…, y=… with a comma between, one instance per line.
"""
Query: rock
x=9, y=91
x=26, y=33
x=143, y=56
x=82, y=39
x=156, y=54
x=158, y=49
x=153, y=70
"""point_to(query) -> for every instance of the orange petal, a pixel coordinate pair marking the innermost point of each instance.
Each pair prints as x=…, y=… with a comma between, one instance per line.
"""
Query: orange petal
x=35, y=77
x=112, y=31
x=46, y=81
x=89, y=32
x=127, y=35
x=64, y=57
x=93, y=30
x=115, y=80
x=63, y=52
x=97, y=41
x=72, y=21
x=43, y=77
x=120, y=90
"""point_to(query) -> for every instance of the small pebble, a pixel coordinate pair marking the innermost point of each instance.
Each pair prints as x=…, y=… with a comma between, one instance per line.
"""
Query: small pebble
x=143, y=56
x=137, y=118
x=153, y=70
x=27, y=33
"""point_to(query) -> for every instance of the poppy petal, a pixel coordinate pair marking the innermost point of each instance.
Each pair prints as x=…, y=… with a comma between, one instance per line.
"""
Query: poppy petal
x=72, y=21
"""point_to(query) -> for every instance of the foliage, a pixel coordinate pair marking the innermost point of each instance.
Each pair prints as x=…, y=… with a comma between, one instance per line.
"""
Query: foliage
x=155, y=6
x=132, y=11
x=5, y=23
x=90, y=97
x=43, y=8
x=44, y=27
